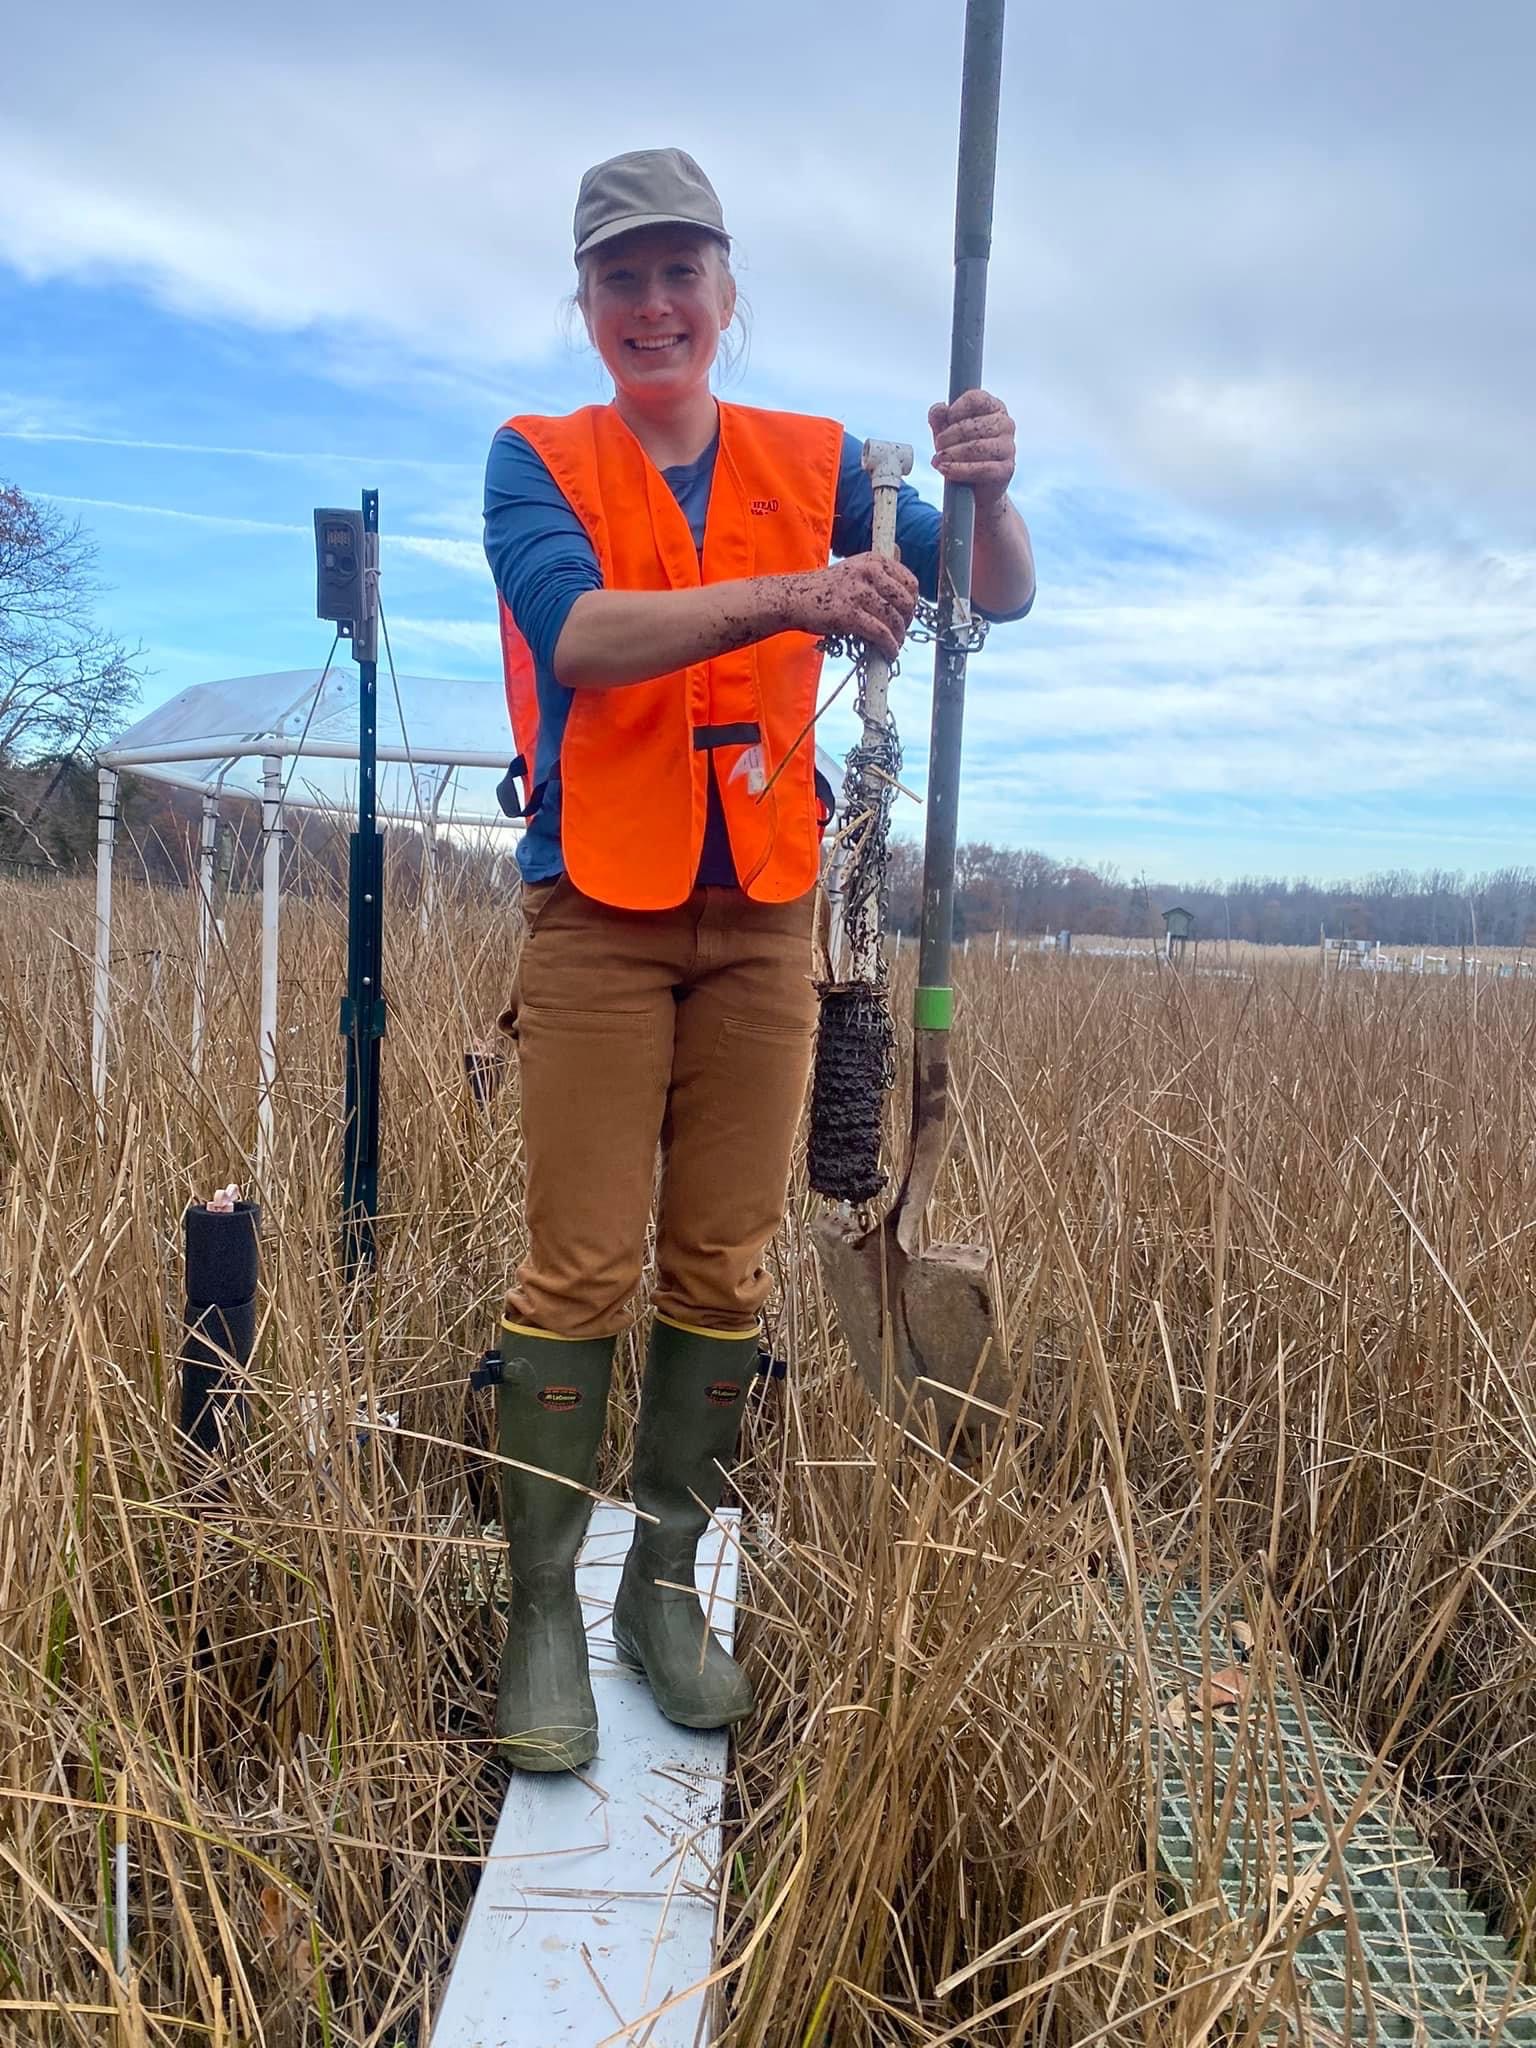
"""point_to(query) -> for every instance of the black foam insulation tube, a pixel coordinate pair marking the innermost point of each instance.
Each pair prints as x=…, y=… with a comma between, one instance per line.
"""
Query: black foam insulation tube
x=223, y=1253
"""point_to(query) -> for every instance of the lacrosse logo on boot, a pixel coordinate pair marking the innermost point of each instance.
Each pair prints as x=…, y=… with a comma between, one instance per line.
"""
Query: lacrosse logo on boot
x=560, y=1398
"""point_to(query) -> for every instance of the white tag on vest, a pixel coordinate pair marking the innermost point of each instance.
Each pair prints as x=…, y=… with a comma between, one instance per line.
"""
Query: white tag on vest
x=749, y=769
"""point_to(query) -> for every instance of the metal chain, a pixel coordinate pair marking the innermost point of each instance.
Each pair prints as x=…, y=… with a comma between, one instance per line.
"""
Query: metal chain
x=922, y=632
x=873, y=773
x=924, y=628
x=869, y=788
x=856, y=1044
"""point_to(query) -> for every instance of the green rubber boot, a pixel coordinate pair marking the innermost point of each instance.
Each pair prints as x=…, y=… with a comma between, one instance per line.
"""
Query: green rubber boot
x=551, y=1410
x=690, y=1417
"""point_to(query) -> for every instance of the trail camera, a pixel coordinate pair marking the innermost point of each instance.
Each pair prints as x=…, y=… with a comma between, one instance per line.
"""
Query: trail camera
x=345, y=551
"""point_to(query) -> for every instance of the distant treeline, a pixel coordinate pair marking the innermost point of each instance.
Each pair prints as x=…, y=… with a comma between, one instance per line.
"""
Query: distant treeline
x=1021, y=892
x=48, y=823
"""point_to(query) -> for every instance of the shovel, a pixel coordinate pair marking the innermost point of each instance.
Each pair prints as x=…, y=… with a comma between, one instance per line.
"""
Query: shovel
x=919, y=1320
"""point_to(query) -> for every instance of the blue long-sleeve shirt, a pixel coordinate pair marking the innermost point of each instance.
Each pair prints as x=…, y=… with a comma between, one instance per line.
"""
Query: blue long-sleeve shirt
x=543, y=561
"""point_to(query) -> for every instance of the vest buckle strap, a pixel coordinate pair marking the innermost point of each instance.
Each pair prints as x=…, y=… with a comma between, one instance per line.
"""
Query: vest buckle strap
x=743, y=734
x=507, y=794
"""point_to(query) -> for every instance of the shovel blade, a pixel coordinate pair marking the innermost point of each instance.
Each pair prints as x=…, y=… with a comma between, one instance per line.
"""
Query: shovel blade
x=921, y=1329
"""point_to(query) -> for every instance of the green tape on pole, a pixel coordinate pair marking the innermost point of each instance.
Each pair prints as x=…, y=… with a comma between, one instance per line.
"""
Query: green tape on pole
x=933, y=1009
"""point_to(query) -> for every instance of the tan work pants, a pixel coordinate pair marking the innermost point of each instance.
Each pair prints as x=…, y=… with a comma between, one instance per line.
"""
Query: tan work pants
x=687, y=1030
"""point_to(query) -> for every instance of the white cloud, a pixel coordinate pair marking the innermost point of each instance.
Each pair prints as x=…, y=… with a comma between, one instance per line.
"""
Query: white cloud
x=1270, y=674
x=136, y=445
x=1264, y=258
x=215, y=521
x=1259, y=301
x=1281, y=676
x=478, y=637
x=467, y=556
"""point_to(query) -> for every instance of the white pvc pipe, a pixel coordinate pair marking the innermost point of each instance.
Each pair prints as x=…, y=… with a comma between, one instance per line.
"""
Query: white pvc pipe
x=207, y=846
x=273, y=748
x=120, y=1908
x=887, y=463
x=101, y=992
x=428, y=908
x=120, y=1881
x=271, y=879
x=303, y=797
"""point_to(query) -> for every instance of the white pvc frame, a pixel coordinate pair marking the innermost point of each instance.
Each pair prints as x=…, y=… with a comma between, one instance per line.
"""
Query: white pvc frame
x=207, y=849
x=271, y=900
x=272, y=752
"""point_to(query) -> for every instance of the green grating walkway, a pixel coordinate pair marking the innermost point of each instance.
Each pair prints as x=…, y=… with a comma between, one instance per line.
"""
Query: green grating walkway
x=1255, y=1802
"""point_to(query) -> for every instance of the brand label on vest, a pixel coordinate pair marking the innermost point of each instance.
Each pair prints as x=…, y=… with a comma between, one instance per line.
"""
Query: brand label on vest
x=560, y=1398
x=763, y=505
x=723, y=1393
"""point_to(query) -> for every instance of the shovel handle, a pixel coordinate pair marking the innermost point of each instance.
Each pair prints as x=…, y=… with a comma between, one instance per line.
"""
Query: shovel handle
x=981, y=85
x=885, y=463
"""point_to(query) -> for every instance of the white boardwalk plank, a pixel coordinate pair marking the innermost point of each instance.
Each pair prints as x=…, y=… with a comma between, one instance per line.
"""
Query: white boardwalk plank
x=598, y=1902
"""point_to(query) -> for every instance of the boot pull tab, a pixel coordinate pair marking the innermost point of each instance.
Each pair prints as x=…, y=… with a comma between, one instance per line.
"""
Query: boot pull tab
x=487, y=1373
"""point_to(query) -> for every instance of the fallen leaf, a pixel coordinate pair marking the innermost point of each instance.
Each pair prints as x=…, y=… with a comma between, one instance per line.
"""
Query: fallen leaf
x=275, y=1913
x=284, y=1927
x=1224, y=1690
x=1155, y=1567
x=1242, y=1636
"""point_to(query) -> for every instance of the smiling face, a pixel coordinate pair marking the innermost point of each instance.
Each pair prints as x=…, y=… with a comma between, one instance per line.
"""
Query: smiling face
x=656, y=302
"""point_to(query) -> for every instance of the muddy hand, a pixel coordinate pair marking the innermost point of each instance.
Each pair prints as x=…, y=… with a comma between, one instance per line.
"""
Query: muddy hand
x=974, y=442
x=866, y=597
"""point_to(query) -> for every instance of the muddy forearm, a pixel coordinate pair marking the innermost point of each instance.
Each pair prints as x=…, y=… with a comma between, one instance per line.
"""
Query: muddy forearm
x=613, y=637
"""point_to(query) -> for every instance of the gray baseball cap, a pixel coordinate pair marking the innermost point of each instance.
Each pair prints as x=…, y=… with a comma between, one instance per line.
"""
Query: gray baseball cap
x=645, y=188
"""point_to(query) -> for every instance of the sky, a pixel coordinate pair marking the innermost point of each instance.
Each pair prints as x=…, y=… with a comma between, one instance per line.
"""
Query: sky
x=1262, y=301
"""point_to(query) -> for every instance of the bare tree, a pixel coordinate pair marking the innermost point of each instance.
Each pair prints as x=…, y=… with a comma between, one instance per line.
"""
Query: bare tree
x=65, y=683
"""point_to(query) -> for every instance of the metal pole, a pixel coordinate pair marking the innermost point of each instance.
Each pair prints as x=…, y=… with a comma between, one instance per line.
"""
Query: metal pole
x=362, y=1011
x=101, y=991
x=979, y=94
x=934, y=1002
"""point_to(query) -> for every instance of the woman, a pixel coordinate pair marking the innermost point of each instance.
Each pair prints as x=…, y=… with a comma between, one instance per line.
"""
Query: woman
x=662, y=564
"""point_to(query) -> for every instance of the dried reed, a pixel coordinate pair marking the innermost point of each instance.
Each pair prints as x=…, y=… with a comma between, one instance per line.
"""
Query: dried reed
x=1267, y=1249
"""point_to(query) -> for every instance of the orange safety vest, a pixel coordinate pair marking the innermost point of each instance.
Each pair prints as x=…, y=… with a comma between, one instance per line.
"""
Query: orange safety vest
x=634, y=772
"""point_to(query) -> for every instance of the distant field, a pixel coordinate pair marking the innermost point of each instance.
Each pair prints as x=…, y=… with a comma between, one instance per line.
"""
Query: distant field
x=1217, y=952
x=1266, y=1245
